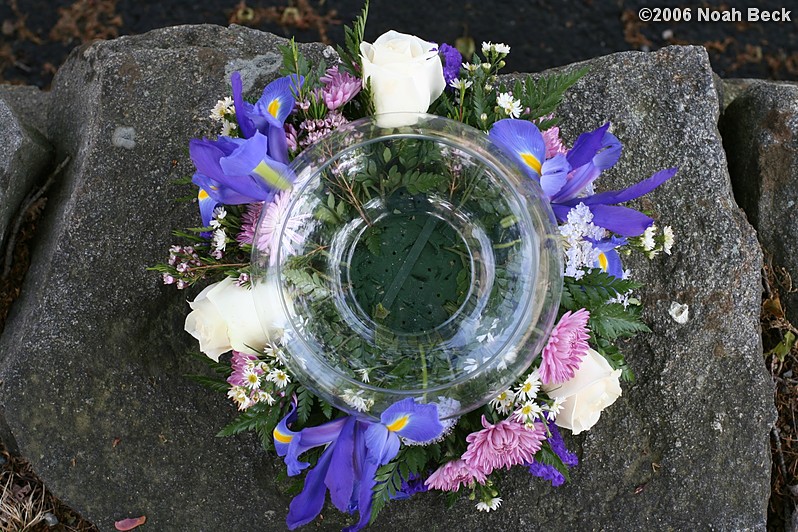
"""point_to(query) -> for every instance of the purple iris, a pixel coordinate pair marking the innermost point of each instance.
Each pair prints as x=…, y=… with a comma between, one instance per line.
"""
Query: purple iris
x=268, y=114
x=563, y=182
x=451, y=60
x=609, y=260
x=235, y=171
x=355, y=449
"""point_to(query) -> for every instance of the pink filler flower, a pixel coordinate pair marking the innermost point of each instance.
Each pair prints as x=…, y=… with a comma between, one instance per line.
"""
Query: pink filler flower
x=505, y=444
x=565, y=349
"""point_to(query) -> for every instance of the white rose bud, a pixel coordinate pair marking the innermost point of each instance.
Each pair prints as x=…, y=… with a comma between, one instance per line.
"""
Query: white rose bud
x=223, y=317
x=594, y=387
x=406, y=76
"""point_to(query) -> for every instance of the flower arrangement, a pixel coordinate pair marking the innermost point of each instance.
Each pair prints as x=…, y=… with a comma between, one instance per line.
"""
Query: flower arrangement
x=369, y=454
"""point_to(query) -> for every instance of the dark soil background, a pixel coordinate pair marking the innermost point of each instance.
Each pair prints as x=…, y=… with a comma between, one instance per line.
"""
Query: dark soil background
x=37, y=35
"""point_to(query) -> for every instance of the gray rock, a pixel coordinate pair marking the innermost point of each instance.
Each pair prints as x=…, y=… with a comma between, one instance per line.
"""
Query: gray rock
x=760, y=133
x=29, y=104
x=93, y=351
x=24, y=156
x=686, y=447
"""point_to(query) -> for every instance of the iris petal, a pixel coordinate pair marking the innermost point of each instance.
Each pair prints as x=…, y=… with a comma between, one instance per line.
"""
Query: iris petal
x=422, y=420
x=521, y=140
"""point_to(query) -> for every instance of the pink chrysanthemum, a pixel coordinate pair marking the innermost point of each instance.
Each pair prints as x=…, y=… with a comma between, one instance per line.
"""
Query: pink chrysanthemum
x=249, y=221
x=451, y=475
x=554, y=145
x=269, y=228
x=565, y=349
x=339, y=88
x=505, y=444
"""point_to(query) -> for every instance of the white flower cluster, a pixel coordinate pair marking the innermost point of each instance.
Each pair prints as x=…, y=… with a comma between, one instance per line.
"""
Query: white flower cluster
x=499, y=48
x=356, y=400
x=219, y=235
x=224, y=111
x=509, y=105
x=576, y=232
x=651, y=243
x=249, y=376
x=524, y=403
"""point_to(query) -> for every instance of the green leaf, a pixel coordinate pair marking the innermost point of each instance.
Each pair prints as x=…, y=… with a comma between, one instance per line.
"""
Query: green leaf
x=248, y=420
x=548, y=457
x=784, y=347
x=614, y=321
x=304, y=405
x=593, y=290
x=374, y=240
x=543, y=95
x=350, y=53
x=306, y=283
x=215, y=384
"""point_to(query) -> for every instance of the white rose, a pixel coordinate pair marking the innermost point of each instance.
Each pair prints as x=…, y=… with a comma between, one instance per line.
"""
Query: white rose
x=223, y=317
x=594, y=387
x=406, y=75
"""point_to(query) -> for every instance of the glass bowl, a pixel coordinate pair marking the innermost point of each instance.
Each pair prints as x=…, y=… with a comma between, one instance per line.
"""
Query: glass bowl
x=412, y=261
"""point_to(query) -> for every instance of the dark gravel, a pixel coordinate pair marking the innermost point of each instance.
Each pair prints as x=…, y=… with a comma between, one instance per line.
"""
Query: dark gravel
x=38, y=34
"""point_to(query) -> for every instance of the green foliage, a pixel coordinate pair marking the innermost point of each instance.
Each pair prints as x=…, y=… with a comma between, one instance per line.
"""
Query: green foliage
x=353, y=36
x=547, y=456
x=411, y=460
x=307, y=283
x=216, y=384
x=612, y=321
x=304, y=404
x=593, y=290
x=543, y=95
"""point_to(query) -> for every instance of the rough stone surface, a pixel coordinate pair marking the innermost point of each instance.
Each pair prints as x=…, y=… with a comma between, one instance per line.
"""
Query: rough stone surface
x=94, y=350
x=29, y=103
x=24, y=155
x=760, y=133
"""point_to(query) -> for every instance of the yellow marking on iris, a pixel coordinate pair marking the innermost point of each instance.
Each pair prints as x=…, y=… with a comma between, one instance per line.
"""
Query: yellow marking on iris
x=202, y=194
x=602, y=260
x=271, y=176
x=531, y=161
x=399, y=424
x=274, y=107
x=282, y=438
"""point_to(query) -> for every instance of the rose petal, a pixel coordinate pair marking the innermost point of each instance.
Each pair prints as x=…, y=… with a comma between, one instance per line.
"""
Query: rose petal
x=130, y=524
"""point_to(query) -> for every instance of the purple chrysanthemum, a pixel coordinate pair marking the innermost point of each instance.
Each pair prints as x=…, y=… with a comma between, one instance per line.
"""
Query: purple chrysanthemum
x=339, y=87
x=451, y=60
x=565, y=349
x=505, y=444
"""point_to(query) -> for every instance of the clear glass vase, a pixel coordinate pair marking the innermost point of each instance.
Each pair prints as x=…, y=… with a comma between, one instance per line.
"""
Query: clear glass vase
x=413, y=261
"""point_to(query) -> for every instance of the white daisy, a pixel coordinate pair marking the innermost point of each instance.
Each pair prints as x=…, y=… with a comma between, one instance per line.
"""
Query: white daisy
x=509, y=105
x=555, y=407
x=647, y=240
x=667, y=243
x=529, y=412
x=238, y=394
x=219, y=239
x=228, y=128
x=222, y=108
x=529, y=389
x=487, y=506
x=460, y=84
x=503, y=402
x=279, y=377
x=252, y=378
x=364, y=374
x=262, y=396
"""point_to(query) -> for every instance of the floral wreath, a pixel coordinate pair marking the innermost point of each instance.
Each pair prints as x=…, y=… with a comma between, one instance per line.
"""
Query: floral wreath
x=362, y=463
